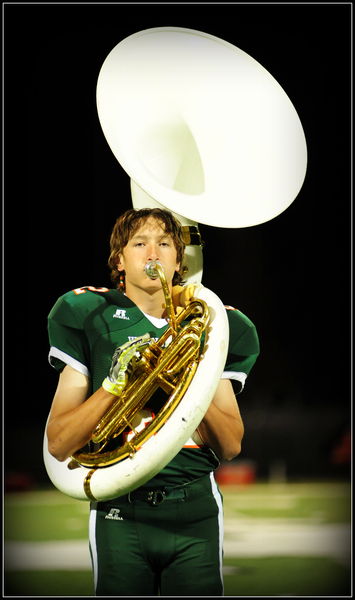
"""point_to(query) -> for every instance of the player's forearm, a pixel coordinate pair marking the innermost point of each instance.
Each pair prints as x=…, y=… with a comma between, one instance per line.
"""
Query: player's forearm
x=69, y=431
x=222, y=432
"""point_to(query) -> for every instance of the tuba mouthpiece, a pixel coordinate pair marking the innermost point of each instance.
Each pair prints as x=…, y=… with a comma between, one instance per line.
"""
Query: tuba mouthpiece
x=151, y=270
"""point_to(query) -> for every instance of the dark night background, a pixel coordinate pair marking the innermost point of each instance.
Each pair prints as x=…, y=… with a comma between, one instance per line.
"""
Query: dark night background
x=64, y=189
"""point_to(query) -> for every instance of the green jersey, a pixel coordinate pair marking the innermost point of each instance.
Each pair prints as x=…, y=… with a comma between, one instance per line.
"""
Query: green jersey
x=87, y=324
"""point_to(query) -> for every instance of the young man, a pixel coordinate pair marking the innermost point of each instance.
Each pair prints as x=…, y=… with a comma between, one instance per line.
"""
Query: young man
x=140, y=546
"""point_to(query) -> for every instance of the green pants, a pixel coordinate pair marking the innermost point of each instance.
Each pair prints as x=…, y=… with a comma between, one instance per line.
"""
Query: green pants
x=159, y=542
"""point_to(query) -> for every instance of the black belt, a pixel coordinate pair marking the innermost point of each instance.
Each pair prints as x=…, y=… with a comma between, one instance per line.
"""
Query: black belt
x=156, y=497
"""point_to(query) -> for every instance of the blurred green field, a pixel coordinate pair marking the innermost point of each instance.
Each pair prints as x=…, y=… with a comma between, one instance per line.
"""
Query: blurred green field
x=264, y=512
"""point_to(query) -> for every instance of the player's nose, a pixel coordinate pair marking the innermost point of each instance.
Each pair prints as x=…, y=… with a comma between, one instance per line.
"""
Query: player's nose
x=153, y=252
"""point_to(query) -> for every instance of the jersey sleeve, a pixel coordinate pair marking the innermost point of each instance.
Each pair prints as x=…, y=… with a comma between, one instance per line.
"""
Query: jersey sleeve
x=243, y=348
x=67, y=339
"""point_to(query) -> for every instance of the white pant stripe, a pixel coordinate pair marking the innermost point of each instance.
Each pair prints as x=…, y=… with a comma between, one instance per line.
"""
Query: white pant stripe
x=218, y=499
x=92, y=542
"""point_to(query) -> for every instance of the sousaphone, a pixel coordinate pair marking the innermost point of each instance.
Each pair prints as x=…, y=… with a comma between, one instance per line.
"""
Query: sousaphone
x=202, y=129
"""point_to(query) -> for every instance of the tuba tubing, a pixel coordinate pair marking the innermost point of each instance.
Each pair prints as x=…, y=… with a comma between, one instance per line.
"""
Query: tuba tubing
x=119, y=479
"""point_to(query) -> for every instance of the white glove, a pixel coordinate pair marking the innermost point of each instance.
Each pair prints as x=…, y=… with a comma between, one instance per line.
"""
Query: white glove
x=123, y=361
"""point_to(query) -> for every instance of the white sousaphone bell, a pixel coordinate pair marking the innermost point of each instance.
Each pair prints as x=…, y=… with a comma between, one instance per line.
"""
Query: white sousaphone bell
x=202, y=129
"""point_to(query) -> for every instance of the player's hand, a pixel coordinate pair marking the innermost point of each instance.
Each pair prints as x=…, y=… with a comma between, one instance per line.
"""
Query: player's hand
x=182, y=294
x=123, y=361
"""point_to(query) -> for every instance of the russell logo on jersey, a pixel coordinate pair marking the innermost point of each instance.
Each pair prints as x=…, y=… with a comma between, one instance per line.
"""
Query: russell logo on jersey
x=120, y=314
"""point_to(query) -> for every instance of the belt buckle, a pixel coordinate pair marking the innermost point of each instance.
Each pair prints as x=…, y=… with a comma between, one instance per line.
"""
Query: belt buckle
x=156, y=497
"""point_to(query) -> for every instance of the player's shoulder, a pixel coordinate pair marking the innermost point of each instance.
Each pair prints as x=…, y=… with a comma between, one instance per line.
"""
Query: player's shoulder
x=244, y=337
x=85, y=299
x=236, y=316
x=86, y=295
x=89, y=294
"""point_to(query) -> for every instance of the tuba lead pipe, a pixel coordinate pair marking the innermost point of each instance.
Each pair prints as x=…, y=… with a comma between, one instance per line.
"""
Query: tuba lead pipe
x=154, y=269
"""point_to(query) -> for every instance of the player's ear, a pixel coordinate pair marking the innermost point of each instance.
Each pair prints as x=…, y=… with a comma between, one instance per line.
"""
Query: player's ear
x=120, y=263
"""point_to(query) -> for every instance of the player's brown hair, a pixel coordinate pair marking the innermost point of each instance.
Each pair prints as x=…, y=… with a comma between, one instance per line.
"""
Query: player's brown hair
x=125, y=228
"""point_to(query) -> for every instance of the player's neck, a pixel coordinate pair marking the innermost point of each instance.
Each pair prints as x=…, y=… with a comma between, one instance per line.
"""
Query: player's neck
x=150, y=303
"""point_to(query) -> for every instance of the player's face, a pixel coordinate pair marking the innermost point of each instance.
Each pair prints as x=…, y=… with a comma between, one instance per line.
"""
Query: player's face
x=150, y=242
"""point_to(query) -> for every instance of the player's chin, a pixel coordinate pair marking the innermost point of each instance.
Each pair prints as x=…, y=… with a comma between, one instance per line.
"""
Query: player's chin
x=153, y=285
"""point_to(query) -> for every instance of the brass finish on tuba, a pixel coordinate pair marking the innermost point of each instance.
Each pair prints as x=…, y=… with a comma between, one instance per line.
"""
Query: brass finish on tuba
x=170, y=363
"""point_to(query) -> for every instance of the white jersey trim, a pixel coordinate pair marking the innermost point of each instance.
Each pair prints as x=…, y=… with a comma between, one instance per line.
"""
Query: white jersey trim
x=156, y=321
x=238, y=376
x=67, y=359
